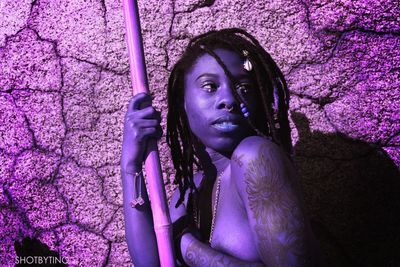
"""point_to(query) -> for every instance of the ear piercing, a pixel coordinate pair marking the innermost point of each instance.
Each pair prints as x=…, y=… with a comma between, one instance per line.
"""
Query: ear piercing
x=244, y=110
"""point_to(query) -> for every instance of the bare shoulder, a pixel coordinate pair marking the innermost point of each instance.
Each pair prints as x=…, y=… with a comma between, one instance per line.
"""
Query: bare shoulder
x=259, y=162
x=257, y=148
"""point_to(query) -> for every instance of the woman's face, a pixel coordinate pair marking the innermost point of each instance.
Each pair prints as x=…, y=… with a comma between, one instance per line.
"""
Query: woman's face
x=214, y=115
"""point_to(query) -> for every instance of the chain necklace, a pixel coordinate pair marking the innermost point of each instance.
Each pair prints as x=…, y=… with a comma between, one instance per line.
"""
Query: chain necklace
x=219, y=178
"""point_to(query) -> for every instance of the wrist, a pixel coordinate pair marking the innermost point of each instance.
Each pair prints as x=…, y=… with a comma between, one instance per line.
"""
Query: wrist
x=131, y=168
x=133, y=185
x=131, y=174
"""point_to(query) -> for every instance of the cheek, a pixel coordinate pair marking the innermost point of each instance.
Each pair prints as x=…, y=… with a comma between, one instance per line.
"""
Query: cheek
x=196, y=108
x=193, y=115
x=190, y=112
x=197, y=115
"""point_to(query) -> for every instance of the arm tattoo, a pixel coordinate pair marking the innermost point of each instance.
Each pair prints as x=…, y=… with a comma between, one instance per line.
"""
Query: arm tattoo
x=198, y=254
x=238, y=159
x=279, y=221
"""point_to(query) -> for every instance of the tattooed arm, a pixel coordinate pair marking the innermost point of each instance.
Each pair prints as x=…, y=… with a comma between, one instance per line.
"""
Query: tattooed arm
x=195, y=253
x=266, y=183
x=198, y=254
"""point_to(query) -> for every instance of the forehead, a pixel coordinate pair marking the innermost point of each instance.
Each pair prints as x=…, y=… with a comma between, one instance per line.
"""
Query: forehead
x=208, y=64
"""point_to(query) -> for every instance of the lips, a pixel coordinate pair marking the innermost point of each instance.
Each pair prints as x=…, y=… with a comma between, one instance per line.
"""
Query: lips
x=226, y=123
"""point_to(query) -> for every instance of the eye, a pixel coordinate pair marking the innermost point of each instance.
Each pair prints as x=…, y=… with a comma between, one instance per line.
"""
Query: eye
x=244, y=88
x=209, y=86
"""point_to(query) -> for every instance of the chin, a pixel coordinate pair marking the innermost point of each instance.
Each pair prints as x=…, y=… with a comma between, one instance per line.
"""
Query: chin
x=223, y=144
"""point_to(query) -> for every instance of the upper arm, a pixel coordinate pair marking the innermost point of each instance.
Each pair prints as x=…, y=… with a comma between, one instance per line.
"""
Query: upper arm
x=264, y=178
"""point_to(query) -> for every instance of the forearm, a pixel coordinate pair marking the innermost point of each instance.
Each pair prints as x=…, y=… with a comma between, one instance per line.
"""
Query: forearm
x=196, y=253
x=139, y=228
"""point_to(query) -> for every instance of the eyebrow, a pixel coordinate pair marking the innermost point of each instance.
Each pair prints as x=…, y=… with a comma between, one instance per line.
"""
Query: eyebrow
x=207, y=74
x=238, y=77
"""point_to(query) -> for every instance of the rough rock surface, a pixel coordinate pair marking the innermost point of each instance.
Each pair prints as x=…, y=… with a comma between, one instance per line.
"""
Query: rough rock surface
x=64, y=86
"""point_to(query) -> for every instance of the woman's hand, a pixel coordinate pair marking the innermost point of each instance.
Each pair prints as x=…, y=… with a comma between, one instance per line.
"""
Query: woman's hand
x=142, y=122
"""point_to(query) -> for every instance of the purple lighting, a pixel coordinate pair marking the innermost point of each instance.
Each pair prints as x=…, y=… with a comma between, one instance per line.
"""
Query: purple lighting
x=65, y=85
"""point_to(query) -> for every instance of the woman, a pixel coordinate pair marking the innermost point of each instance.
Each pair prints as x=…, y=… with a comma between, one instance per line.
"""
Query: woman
x=237, y=201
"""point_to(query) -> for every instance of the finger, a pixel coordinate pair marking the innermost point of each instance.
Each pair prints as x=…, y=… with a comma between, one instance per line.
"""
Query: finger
x=157, y=134
x=148, y=113
x=137, y=100
x=151, y=132
x=135, y=120
x=144, y=123
x=148, y=132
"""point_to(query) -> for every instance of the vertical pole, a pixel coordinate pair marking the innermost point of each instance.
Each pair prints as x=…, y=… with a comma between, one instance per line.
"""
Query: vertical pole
x=155, y=183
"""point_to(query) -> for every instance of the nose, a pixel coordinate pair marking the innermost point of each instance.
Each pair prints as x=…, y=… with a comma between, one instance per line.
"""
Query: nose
x=226, y=99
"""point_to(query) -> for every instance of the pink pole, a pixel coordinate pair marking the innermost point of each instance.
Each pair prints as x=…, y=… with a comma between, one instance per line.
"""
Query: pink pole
x=155, y=183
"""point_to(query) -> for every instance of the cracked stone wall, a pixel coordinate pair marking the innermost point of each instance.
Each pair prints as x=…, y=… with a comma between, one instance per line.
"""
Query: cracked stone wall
x=64, y=86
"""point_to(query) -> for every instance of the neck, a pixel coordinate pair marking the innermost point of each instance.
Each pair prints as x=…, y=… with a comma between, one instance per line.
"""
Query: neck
x=219, y=160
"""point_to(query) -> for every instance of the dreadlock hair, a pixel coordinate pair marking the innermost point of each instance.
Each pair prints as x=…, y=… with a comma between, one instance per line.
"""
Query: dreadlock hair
x=271, y=90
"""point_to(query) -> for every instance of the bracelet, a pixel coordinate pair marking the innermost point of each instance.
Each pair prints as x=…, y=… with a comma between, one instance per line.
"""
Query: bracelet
x=137, y=190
